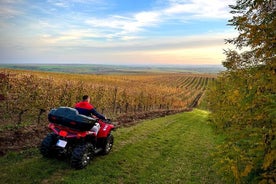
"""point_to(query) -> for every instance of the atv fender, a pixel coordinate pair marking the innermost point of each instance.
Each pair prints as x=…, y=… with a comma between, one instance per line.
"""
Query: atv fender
x=105, y=130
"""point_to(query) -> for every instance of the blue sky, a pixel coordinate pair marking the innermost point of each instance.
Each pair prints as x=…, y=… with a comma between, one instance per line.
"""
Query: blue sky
x=114, y=31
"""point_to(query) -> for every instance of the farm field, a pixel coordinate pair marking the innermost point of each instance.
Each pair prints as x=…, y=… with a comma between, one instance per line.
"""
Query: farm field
x=172, y=149
x=27, y=96
x=34, y=92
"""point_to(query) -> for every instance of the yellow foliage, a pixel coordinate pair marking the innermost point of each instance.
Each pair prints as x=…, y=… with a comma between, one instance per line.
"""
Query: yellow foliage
x=235, y=171
x=247, y=170
x=269, y=159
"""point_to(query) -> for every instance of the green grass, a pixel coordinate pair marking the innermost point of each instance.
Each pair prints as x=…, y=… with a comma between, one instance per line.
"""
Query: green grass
x=172, y=149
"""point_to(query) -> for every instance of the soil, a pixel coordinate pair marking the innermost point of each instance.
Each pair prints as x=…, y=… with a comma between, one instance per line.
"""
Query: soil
x=31, y=136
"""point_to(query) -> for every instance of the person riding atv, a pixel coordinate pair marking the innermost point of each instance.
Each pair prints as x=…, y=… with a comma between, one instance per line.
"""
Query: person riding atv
x=84, y=107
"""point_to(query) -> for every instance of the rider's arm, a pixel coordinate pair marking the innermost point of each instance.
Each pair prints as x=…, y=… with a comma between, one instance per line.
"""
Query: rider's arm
x=98, y=115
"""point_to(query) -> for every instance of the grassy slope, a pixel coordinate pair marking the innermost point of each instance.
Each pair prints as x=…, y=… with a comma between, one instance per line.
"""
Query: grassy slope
x=173, y=149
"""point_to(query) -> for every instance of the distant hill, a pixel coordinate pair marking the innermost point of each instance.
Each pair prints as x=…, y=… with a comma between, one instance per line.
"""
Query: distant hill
x=115, y=69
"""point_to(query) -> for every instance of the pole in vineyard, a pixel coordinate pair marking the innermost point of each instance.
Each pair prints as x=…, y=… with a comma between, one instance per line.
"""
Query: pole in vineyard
x=115, y=98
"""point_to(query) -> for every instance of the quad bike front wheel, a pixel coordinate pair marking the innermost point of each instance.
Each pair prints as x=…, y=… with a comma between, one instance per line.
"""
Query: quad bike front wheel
x=47, y=145
x=81, y=156
x=108, y=144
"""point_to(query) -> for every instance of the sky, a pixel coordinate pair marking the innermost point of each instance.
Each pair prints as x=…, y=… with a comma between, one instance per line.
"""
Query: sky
x=146, y=32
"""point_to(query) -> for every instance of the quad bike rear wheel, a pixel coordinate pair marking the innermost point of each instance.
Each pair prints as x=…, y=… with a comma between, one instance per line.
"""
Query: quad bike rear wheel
x=47, y=145
x=108, y=144
x=81, y=156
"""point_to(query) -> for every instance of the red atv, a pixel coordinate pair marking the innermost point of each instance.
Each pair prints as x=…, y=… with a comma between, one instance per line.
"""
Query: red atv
x=73, y=137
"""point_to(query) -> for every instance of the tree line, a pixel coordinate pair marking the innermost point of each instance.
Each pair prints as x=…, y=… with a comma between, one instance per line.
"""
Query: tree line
x=243, y=98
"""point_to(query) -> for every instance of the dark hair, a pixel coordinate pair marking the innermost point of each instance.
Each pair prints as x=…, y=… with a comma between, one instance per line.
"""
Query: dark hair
x=85, y=97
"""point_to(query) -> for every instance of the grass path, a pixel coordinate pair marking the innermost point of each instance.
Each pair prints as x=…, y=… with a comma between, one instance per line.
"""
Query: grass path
x=172, y=149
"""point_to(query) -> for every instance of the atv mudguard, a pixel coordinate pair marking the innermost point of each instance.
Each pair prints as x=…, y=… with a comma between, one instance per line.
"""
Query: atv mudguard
x=105, y=129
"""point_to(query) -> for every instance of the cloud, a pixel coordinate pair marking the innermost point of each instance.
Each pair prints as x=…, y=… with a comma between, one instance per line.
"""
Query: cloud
x=9, y=9
x=74, y=37
x=69, y=3
x=199, y=9
x=7, y=12
x=131, y=25
x=205, y=49
x=72, y=41
x=123, y=26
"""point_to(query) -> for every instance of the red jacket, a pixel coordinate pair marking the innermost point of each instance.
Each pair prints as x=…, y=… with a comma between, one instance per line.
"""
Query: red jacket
x=84, y=105
x=87, y=109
